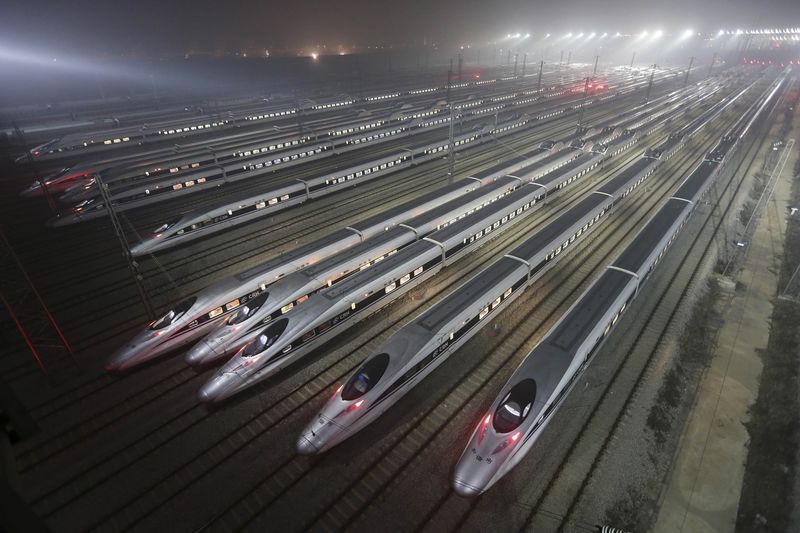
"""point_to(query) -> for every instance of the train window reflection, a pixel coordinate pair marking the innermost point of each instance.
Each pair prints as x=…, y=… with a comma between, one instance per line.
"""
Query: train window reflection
x=515, y=407
x=367, y=377
x=266, y=338
x=173, y=314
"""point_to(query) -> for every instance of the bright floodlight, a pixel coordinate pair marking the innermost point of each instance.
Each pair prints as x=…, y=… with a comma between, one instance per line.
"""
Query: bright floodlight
x=605, y=34
x=314, y=55
x=658, y=34
x=618, y=34
x=721, y=32
x=687, y=34
x=527, y=35
x=546, y=36
x=644, y=34
x=592, y=35
x=580, y=34
x=569, y=34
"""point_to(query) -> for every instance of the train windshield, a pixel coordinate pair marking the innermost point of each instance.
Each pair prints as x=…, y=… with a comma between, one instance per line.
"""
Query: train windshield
x=247, y=310
x=367, y=377
x=515, y=407
x=266, y=338
x=173, y=314
x=166, y=225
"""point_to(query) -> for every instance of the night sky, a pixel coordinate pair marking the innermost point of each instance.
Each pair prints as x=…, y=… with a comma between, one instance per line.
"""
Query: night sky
x=158, y=27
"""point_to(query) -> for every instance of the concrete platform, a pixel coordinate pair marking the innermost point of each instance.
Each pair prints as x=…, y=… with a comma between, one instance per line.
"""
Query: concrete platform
x=706, y=479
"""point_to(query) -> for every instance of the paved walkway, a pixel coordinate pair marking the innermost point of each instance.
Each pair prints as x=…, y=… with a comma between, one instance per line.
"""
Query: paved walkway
x=705, y=482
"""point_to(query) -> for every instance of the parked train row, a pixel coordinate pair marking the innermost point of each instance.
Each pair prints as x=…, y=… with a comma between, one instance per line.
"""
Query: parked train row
x=145, y=192
x=254, y=295
x=207, y=221
x=420, y=346
x=95, y=141
x=192, y=318
x=74, y=181
x=219, y=150
x=288, y=336
x=540, y=167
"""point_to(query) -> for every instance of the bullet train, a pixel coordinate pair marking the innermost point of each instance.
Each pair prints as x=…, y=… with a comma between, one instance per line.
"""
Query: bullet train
x=528, y=402
x=420, y=346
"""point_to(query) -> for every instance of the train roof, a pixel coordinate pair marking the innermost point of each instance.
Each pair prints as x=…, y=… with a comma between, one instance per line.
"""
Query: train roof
x=433, y=319
x=352, y=252
x=637, y=252
x=513, y=161
x=293, y=254
x=627, y=174
x=695, y=181
x=543, y=237
x=366, y=277
x=406, y=206
x=573, y=330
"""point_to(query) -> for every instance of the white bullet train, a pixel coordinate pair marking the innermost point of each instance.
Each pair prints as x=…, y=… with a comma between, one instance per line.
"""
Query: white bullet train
x=530, y=399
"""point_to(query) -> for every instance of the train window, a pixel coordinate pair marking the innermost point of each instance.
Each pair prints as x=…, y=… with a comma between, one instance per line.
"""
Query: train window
x=507, y=293
x=496, y=302
x=215, y=312
x=405, y=278
x=515, y=407
x=308, y=335
x=233, y=303
x=286, y=308
x=390, y=288
x=418, y=271
x=173, y=314
x=266, y=338
x=365, y=377
x=483, y=313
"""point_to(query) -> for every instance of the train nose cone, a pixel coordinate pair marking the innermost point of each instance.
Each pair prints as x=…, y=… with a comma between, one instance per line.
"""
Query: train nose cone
x=140, y=248
x=462, y=488
x=201, y=353
x=220, y=387
x=121, y=360
x=305, y=447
